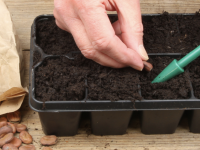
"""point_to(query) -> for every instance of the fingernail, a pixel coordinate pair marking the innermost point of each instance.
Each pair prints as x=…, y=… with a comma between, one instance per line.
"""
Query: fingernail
x=143, y=52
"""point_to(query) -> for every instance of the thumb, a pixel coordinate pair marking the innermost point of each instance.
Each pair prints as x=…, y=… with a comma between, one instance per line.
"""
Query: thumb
x=129, y=25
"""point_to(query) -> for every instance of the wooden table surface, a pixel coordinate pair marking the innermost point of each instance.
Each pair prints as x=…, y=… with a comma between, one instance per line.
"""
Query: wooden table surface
x=23, y=12
x=182, y=139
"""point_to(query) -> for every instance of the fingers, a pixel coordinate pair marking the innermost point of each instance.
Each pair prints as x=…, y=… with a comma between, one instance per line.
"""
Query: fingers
x=102, y=36
x=116, y=27
x=87, y=49
x=130, y=25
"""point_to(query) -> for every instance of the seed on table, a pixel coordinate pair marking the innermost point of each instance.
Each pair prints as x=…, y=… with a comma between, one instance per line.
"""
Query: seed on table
x=12, y=126
x=6, y=139
x=20, y=127
x=16, y=142
x=27, y=147
x=14, y=116
x=25, y=137
x=47, y=148
x=3, y=123
x=9, y=147
x=48, y=140
x=4, y=130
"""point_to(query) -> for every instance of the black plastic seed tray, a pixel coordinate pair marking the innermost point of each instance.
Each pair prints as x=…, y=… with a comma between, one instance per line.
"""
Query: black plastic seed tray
x=108, y=118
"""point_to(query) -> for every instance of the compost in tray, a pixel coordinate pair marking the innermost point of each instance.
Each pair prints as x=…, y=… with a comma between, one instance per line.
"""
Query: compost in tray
x=59, y=79
x=194, y=69
x=176, y=88
x=170, y=33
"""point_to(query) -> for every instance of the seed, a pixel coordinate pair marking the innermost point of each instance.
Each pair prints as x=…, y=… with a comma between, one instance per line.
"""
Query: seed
x=47, y=148
x=25, y=137
x=16, y=142
x=3, y=123
x=20, y=127
x=147, y=66
x=4, y=130
x=27, y=147
x=12, y=126
x=48, y=140
x=14, y=116
x=9, y=147
x=3, y=119
x=6, y=139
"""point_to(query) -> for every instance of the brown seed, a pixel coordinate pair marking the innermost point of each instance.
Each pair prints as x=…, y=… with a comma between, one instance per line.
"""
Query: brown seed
x=3, y=123
x=47, y=148
x=27, y=147
x=25, y=137
x=9, y=147
x=20, y=127
x=6, y=139
x=147, y=66
x=3, y=119
x=16, y=142
x=12, y=126
x=48, y=140
x=4, y=130
x=14, y=116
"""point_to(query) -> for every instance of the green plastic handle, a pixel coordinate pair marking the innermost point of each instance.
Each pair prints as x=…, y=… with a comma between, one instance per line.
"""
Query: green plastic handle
x=177, y=67
x=189, y=57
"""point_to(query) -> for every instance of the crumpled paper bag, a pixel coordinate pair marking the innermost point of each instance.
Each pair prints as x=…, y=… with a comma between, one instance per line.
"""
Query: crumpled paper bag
x=11, y=92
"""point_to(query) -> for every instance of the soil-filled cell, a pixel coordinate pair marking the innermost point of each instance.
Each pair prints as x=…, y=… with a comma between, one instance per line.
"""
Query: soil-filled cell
x=58, y=79
x=175, y=88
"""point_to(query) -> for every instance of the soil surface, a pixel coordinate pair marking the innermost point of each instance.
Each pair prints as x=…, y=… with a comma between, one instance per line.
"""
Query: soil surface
x=58, y=79
x=194, y=69
x=63, y=79
x=54, y=40
x=36, y=57
x=176, y=88
x=189, y=27
x=113, y=84
x=171, y=34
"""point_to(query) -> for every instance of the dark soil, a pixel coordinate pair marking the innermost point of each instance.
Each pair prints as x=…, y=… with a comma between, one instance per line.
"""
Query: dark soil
x=63, y=79
x=107, y=83
x=171, y=34
x=176, y=88
x=36, y=57
x=54, y=40
x=195, y=76
x=113, y=84
x=189, y=27
x=58, y=79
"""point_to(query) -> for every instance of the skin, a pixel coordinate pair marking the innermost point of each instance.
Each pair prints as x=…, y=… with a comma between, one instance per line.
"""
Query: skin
x=115, y=45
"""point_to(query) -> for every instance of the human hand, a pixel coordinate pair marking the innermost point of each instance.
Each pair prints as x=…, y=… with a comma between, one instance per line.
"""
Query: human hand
x=117, y=45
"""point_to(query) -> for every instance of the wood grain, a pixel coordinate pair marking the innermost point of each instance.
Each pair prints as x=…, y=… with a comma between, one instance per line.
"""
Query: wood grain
x=24, y=11
x=182, y=139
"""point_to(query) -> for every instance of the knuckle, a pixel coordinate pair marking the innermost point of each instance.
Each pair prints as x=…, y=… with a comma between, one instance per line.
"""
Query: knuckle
x=88, y=53
x=101, y=44
x=138, y=27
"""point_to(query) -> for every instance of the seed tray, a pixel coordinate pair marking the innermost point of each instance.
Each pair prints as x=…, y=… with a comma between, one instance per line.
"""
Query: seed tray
x=107, y=118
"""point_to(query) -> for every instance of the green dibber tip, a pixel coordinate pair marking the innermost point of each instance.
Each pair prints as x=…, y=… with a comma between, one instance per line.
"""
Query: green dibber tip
x=176, y=67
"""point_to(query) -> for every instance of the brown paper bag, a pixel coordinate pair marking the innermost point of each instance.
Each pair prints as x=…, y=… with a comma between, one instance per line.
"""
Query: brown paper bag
x=11, y=91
